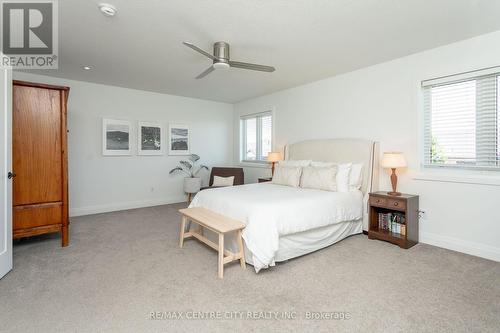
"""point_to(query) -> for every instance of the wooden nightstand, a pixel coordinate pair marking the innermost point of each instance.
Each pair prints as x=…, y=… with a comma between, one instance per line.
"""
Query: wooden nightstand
x=394, y=218
x=263, y=180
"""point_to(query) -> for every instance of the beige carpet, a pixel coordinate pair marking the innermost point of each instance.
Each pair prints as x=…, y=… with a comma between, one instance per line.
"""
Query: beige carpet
x=122, y=266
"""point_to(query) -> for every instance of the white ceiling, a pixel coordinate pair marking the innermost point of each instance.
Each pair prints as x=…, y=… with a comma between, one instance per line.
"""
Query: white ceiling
x=306, y=40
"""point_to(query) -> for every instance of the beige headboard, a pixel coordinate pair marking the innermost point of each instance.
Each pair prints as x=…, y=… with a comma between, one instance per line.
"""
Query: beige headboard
x=342, y=151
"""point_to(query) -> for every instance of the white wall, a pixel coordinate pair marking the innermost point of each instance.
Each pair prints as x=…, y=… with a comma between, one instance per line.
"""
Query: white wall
x=104, y=183
x=382, y=102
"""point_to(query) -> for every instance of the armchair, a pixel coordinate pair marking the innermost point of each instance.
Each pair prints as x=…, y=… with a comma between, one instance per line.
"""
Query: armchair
x=239, y=177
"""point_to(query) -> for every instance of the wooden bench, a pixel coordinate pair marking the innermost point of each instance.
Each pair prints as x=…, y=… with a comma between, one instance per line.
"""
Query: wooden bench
x=219, y=224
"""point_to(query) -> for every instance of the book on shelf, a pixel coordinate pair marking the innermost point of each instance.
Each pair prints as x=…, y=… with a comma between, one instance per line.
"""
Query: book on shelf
x=393, y=222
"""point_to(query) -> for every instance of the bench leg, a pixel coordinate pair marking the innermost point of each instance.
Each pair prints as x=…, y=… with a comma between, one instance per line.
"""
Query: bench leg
x=242, y=250
x=221, y=256
x=183, y=226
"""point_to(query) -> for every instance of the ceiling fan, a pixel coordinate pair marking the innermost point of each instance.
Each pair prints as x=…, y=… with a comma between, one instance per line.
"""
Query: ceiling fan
x=221, y=60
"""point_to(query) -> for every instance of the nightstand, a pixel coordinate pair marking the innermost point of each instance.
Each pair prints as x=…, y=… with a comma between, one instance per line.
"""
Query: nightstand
x=263, y=180
x=394, y=218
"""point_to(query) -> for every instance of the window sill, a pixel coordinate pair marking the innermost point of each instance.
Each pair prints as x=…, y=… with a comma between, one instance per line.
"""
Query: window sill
x=248, y=164
x=479, y=178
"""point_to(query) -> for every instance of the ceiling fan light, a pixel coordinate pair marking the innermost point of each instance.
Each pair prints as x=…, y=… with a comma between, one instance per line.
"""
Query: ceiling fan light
x=221, y=65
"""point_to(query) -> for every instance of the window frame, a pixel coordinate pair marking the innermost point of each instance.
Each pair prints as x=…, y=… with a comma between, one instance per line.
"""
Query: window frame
x=243, y=136
x=425, y=164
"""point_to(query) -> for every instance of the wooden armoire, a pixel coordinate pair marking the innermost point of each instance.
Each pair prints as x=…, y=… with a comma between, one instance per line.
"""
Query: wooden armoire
x=40, y=160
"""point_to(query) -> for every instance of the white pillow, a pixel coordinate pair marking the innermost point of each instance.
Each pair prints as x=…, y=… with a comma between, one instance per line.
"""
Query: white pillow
x=319, y=178
x=323, y=164
x=356, y=176
x=343, y=173
x=223, y=181
x=289, y=176
x=295, y=163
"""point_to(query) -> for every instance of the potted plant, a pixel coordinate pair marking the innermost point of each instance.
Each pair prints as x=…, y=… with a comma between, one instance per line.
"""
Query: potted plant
x=192, y=183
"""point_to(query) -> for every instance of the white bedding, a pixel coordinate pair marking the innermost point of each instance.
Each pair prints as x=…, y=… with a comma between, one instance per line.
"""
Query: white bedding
x=270, y=211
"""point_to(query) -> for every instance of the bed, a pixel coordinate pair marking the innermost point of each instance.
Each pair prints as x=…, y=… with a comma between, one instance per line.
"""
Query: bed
x=284, y=222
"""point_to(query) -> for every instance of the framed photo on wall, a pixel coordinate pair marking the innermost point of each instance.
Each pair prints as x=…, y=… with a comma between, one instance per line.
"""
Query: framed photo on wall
x=179, y=141
x=116, y=137
x=149, y=139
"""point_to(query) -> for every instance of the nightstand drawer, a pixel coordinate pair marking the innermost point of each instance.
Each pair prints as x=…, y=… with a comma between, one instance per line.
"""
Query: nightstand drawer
x=396, y=204
x=378, y=201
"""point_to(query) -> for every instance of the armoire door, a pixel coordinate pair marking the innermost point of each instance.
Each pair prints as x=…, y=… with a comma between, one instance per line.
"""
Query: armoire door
x=37, y=157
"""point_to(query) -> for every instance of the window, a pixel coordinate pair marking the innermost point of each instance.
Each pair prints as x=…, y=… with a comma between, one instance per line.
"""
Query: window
x=462, y=120
x=256, y=134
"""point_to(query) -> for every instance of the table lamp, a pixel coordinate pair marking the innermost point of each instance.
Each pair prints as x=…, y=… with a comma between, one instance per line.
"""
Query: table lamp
x=393, y=160
x=274, y=157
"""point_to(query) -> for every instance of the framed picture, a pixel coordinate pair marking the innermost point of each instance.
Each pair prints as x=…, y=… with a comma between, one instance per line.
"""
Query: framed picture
x=116, y=137
x=149, y=139
x=178, y=139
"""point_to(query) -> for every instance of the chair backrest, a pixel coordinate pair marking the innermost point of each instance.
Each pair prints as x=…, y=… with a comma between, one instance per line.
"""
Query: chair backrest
x=238, y=174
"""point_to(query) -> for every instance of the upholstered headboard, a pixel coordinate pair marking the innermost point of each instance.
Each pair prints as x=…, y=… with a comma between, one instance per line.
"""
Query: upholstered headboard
x=342, y=151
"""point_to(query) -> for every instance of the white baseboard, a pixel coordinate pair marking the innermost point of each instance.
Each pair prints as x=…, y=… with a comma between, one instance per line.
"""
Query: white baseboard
x=459, y=245
x=112, y=207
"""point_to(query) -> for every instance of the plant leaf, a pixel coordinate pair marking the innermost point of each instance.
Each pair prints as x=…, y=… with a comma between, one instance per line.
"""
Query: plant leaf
x=177, y=169
x=194, y=158
x=199, y=169
x=186, y=165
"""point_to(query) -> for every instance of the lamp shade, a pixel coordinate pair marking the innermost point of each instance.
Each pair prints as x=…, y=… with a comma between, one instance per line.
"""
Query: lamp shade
x=274, y=157
x=393, y=160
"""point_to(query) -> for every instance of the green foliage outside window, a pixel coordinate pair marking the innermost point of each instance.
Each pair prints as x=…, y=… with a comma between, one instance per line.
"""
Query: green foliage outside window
x=438, y=155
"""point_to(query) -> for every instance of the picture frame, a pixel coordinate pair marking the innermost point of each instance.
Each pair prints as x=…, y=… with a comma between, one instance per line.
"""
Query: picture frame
x=116, y=137
x=149, y=138
x=179, y=141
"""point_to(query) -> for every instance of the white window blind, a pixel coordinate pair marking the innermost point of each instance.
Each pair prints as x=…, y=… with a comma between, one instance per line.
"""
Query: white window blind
x=461, y=121
x=256, y=135
x=266, y=136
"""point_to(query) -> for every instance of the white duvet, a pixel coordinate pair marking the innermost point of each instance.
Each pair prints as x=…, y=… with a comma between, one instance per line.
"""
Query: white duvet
x=270, y=211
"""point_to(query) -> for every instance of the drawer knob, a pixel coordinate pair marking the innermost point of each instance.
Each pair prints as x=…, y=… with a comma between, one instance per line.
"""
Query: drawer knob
x=378, y=200
x=396, y=203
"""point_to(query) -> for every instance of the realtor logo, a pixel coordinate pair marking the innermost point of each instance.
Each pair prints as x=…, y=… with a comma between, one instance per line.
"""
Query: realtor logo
x=29, y=34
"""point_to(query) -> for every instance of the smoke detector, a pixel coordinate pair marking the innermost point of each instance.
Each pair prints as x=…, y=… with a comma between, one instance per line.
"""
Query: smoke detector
x=107, y=9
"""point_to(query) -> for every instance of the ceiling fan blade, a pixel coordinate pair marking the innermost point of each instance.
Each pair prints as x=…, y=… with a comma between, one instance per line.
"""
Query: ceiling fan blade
x=253, y=67
x=206, y=72
x=197, y=49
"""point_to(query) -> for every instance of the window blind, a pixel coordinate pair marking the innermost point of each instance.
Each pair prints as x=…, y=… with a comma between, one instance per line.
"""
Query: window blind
x=251, y=137
x=461, y=121
x=266, y=136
